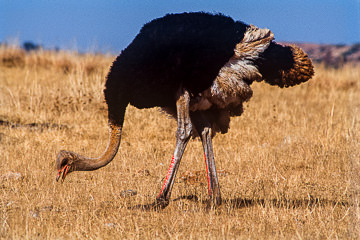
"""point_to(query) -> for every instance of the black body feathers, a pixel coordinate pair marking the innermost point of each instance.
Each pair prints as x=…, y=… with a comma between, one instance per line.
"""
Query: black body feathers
x=179, y=50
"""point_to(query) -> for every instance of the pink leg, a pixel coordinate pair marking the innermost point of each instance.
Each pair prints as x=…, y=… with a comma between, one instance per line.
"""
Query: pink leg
x=213, y=183
x=170, y=172
x=203, y=127
x=183, y=134
x=207, y=174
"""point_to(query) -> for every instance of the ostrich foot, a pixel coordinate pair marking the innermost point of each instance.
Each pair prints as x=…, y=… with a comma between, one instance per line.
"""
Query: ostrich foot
x=213, y=203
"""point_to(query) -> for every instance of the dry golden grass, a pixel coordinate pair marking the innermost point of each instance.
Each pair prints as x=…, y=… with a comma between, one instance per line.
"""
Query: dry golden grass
x=289, y=167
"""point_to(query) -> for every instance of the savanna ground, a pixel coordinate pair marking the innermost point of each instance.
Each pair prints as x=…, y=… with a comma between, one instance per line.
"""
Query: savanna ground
x=288, y=168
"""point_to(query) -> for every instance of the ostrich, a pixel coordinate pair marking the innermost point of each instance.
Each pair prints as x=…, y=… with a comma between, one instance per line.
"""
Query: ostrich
x=198, y=68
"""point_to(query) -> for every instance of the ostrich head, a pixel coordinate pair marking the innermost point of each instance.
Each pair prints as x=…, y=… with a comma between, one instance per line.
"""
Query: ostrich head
x=285, y=66
x=66, y=163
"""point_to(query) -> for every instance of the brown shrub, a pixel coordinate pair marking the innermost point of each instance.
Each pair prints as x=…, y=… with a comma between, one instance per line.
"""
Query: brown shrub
x=12, y=56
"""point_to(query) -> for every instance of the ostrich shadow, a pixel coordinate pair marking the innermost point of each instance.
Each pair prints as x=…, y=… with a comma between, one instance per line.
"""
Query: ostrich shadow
x=239, y=203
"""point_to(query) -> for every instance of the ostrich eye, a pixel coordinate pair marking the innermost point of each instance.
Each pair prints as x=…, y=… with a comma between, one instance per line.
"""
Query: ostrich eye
x=63, y=162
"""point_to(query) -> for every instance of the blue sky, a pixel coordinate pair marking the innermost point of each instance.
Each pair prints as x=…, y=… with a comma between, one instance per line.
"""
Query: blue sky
x=111, y=25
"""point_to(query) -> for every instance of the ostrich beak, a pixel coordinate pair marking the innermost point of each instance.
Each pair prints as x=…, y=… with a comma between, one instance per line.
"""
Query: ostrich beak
x=64, y=170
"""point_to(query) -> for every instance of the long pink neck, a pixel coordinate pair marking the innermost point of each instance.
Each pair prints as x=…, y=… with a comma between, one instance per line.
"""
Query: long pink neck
x=90, y=164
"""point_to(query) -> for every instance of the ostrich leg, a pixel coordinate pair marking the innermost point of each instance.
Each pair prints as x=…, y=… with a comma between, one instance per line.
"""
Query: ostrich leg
x=183, y=134
x=203, y=127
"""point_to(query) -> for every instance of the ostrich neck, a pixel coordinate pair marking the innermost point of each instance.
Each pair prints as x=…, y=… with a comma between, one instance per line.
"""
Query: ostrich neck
x=89, y=164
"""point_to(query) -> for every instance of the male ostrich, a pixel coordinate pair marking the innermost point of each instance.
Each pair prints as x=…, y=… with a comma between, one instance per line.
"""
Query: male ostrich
x=197, y=67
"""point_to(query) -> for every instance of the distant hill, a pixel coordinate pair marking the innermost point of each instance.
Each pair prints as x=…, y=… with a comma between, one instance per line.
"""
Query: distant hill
x=332, y=55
